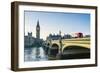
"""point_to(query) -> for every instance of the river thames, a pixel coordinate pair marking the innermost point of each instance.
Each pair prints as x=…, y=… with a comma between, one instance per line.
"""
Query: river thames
x=40, y=54
x=35, y=54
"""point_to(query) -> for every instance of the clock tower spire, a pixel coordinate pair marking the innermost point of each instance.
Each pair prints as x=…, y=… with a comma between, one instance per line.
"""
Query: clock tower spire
x=38, y=30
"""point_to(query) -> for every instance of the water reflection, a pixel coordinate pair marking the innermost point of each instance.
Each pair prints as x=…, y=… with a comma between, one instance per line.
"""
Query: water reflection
x=43, y=54
x=35, y=54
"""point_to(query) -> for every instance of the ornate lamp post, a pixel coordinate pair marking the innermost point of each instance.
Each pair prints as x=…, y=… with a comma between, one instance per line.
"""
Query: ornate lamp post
x=60, y=43
x=60, y=48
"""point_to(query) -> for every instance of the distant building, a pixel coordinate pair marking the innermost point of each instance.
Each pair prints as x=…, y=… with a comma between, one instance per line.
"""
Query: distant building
x=57, y=37
x=53, y=37
x=67, y=36
x=87, y=36
x=29, y=40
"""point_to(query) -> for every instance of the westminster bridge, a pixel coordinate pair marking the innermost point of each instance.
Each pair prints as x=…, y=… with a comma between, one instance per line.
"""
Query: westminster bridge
x=61, y=45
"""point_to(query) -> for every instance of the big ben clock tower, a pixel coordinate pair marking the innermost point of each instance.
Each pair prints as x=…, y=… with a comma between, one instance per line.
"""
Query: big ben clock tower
x=38, y=30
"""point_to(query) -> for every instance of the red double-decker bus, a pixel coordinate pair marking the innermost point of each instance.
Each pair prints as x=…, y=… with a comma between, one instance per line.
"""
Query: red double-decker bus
x=78, y=35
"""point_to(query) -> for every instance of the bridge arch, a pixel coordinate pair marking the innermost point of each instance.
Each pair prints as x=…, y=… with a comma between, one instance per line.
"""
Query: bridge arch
x=55, y=46
x=76, y=52
x=76, y=48
x=48, y=44
x=54, y=49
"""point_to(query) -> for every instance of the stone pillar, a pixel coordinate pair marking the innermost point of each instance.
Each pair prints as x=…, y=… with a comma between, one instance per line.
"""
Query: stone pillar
x=50, y=44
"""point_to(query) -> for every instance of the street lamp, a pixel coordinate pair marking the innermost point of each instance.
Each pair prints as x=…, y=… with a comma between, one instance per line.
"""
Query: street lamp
x=60, y=43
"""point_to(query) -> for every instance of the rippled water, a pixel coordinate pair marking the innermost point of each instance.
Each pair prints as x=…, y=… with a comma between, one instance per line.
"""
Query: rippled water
x=35, y=54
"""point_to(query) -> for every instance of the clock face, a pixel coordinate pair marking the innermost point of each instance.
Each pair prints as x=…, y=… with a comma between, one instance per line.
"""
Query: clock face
x=37, y=28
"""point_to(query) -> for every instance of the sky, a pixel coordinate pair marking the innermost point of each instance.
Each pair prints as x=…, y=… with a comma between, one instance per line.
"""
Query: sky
x=53, y=22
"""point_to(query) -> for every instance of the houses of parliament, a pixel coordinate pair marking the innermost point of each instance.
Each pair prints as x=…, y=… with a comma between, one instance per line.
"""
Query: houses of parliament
x=29, y=40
